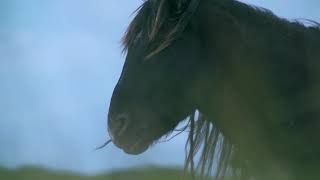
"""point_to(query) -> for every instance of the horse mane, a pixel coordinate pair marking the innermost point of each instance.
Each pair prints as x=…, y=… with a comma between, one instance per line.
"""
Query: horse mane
x=153, y=18
x=163, y=22
x=216, y=152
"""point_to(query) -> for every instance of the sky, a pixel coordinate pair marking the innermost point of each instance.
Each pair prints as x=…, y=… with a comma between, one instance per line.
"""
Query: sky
x=59, y=63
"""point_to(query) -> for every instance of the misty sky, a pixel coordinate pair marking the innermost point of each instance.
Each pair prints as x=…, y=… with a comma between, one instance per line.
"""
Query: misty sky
x=59, y=62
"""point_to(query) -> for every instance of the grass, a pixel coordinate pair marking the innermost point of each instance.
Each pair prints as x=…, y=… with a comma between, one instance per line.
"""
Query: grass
x=133, y=174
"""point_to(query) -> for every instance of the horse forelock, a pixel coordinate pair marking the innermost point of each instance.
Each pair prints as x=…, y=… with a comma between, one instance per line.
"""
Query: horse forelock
x=162, y=21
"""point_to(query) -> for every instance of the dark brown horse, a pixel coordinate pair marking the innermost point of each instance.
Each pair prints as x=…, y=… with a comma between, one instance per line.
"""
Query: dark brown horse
x=254, y=78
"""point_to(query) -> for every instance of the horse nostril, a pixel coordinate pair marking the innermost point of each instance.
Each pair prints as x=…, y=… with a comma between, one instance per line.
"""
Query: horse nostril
x=119, y=124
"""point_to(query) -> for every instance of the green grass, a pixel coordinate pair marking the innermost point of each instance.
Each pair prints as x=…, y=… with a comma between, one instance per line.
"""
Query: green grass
x=133, y=174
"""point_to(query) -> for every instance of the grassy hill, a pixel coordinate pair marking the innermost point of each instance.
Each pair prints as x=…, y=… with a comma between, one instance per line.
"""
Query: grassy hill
x=133, y=174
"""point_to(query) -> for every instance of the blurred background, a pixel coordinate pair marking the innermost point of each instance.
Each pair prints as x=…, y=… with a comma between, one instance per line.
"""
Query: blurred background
x=59, y=62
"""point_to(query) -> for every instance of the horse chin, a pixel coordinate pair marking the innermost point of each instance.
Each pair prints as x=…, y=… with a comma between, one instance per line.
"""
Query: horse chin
x=130, y=146
x=136, y=149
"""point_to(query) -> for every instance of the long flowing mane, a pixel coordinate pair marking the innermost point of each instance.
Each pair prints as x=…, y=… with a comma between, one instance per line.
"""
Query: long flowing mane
x=163, y=23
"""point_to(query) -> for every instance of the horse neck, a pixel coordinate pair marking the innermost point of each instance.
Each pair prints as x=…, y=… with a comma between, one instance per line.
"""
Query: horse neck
x=223, y=42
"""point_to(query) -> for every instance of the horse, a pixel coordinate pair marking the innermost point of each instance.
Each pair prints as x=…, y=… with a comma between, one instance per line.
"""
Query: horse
x=247, y=80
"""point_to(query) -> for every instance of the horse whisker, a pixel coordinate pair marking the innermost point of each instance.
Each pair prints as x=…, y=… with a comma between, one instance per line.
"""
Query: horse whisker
x=103, y=145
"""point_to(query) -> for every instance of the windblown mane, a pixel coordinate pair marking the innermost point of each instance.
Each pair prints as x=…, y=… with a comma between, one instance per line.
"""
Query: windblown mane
x=162, y=20
x=163, y=23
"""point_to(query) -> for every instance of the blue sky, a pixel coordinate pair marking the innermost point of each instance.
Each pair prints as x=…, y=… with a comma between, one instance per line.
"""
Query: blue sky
x=59, y=62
